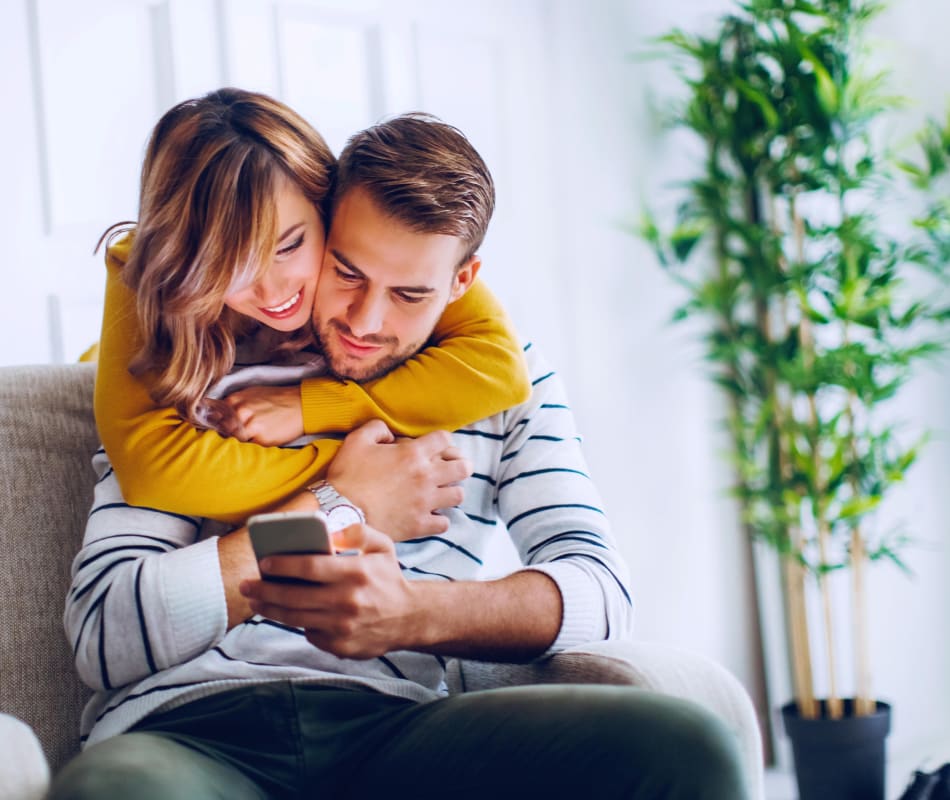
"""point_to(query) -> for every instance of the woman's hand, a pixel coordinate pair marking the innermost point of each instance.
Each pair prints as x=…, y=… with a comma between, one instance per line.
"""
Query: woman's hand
x=267, y=415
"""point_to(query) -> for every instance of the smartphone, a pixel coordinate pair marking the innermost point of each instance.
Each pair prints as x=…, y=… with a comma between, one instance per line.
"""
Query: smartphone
x=289, y=533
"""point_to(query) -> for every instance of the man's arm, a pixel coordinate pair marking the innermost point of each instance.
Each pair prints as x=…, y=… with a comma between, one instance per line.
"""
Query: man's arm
x=146, y=594
x=362, y=606
x=573, y=589
x=555, y=514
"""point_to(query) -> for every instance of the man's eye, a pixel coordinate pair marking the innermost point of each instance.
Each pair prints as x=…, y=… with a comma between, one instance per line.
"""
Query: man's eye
x=291, y=247
x=349, y=277
x=410, y=298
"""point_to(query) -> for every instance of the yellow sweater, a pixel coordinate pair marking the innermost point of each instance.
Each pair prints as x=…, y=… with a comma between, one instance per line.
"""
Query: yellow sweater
x=164, y=462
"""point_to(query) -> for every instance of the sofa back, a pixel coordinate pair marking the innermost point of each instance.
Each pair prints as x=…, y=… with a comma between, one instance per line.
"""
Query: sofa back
x=47, y=438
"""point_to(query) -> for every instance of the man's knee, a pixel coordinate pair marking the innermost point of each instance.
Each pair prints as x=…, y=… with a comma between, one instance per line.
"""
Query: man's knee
x=136, y=765
x=703, y=758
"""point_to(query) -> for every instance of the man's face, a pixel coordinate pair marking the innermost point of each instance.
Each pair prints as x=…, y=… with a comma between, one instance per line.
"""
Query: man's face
x=382, y=289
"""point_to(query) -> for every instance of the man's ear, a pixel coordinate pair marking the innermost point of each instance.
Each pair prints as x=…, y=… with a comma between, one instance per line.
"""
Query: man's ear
x=465, y=277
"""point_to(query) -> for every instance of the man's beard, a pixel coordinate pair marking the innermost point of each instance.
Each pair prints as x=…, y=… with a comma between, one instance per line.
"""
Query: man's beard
x=360, y=373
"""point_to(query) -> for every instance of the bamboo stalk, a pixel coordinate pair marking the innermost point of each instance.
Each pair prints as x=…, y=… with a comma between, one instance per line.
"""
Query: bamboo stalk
x=795, y=572
x=863, y=702
x=834, y=704
x=798, y=628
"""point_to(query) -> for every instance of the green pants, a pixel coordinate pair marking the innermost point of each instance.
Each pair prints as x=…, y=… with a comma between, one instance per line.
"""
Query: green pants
x=285, y=740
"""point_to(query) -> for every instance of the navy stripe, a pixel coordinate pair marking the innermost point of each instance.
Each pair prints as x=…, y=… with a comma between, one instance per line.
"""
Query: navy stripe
x=112, y=550
x=482, y=520
x=393, y=667
x=514, y=429
x=508, y=456
x=419, y=571
x=279, y=625
x=99, y=577
x=481, y=434
x=171, y=544
x=487, y=478
x=527, y=347
x=142, y=626
x=542, y=378
x=146, y=693
x=103, y=667
x=554, y=405
x=570, y=536
x=533, y=472
x=191, y=520
x=447, y=543
x=601, y=563
x=541, y=509
x=545, y=438
x=85, y=620
x=106, y=475
x=220, y=652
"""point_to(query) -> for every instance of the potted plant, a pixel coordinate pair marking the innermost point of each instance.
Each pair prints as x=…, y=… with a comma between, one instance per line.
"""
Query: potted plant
x=812, y=325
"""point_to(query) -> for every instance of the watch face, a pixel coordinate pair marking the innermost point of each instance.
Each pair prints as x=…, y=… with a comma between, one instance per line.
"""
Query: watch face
x=342, y=516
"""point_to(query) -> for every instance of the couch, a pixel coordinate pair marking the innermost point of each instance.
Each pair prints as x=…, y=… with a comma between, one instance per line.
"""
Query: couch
x=47, y=437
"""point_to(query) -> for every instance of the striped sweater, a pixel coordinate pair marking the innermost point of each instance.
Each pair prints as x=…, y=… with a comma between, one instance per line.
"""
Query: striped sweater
x=146, y=613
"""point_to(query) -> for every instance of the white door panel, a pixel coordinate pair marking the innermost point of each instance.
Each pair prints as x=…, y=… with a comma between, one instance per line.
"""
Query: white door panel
x=88, y=81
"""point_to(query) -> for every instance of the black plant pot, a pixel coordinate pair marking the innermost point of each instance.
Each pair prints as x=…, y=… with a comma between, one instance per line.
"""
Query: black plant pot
x=839, y=759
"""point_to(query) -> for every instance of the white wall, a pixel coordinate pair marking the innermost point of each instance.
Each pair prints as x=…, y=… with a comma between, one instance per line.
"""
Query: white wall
x=569, y=127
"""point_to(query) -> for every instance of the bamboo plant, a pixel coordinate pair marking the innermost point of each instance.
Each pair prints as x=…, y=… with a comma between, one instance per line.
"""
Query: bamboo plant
x=811, y=326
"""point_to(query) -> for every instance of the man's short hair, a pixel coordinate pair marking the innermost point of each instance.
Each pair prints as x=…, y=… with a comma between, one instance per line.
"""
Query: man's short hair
x=424, y=173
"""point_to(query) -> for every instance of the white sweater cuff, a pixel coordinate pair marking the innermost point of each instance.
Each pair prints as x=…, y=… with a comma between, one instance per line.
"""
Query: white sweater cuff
x=194, y=596
x=583, y=618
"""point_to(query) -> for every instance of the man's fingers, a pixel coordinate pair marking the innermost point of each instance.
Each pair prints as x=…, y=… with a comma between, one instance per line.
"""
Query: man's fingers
x=364, y=538
x=454, y=471
x=432, y=524
x=433, y=443
x=448, y=496
x=374, y=431
x=451, y=453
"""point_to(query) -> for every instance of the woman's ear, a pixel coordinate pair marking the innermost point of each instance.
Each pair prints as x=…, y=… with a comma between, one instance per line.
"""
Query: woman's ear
x=465, y=277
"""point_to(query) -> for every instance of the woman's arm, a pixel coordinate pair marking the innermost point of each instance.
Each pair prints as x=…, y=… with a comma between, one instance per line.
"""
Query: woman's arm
x=162, y=461
x=474, y=363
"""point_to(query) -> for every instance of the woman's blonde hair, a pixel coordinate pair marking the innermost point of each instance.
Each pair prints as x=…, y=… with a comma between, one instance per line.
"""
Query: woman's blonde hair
x=207, y=221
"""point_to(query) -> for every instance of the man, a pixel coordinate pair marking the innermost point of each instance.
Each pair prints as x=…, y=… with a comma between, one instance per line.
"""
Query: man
x=214, y=681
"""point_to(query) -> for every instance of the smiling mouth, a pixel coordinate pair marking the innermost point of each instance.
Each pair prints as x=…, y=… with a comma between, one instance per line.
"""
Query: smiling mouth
x=285, y=309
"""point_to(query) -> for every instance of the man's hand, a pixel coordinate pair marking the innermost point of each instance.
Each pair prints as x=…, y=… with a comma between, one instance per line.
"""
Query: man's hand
x=267, y=415
x=361, y=606
x=354, y=606
x=400, y=483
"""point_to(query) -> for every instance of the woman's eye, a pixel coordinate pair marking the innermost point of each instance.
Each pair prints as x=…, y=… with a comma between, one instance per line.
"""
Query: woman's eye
x=291, y=247
x=409, y=298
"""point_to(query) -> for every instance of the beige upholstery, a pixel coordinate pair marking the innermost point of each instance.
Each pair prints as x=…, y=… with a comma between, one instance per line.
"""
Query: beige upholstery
x=47, y=438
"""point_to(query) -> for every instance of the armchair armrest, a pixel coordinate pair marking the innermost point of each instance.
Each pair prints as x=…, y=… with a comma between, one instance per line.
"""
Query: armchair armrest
x=24, y=772
x=648, y=665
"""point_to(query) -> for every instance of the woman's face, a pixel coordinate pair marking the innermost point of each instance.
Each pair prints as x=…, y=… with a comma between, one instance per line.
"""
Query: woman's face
x=283, y=297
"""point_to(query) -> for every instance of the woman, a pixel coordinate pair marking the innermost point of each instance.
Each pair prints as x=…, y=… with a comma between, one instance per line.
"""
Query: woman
x=210, y=273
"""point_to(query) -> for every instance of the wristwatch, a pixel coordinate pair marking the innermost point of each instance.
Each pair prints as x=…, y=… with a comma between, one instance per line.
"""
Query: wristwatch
x=340, y=511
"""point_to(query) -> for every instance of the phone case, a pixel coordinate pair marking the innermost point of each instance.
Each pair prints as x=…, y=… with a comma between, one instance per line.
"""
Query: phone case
x=289, y=532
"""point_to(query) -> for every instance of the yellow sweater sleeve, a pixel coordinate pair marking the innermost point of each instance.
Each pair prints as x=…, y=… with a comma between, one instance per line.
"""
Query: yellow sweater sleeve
x=162, y=461
x=473, y=368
